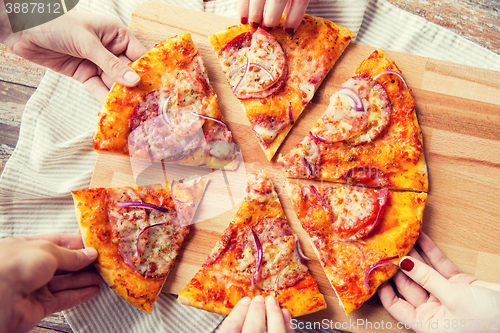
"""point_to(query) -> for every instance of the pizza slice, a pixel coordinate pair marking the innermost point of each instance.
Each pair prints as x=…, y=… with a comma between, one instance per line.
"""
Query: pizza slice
x=172, y=115
x=368, y=135
x=257, y=255
x=137, y=232
x=359, y=234
x=274, y=75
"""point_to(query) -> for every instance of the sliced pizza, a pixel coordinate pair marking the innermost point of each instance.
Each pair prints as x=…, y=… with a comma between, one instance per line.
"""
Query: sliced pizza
x=257, y=255
x=357, y=233
x=172, y=115
x=274, y=75
x=137, y=232
x=368, y=135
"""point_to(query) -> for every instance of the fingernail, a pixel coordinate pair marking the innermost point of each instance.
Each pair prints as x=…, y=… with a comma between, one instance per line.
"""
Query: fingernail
x=266, y=28
x=406, y=264
x=286, y=315
x=90, y=252
x=258, y=299
x=289, y=30
x=244, y=20
x=131, y=77
x=271, y=299
x=254, y=25
x=245, y=301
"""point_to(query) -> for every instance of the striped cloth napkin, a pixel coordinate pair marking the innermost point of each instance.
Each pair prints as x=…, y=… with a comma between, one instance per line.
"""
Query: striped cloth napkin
x=54, y=154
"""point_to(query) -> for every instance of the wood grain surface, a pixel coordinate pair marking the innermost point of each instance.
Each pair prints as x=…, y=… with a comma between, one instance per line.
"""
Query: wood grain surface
x=459, y=112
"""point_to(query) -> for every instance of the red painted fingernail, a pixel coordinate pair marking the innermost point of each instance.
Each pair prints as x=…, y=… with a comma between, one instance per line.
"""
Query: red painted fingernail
x=406, y=264
x=266, y=28
x=255, y=25
x=289, y=30
x=244, y=20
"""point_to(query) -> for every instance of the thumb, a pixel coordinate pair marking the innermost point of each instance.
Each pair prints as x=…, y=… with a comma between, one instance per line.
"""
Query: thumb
x=116, y=69
x=428, y=278
x=74, y=260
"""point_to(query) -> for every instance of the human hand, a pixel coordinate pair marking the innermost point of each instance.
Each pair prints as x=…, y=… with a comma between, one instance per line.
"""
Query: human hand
x=83, y=46
x=456, y=302
x=253, y=11
x=249, y=315
x=41, y=275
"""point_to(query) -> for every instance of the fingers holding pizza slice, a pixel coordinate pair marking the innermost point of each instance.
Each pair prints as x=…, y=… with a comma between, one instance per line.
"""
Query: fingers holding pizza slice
x=274, y=75
x=358, y=234
x=137, y=232
x=258, y=254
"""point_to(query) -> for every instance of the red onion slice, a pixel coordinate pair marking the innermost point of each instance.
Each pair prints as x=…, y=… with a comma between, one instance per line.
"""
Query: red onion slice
x=263, y=68
x=358, y=103
x=392, y=72
x=317, y=138
x=190, y=204
x=163, y=109
x=290, y=114
x=353, y=244
x=299, y=250
x=243, y=77
x=141, y=233
x=376, y=265
x=210, y=118
x=309, y=167
x=260, y=254
x=236, y=71
x=141, y=204
x=315, y=191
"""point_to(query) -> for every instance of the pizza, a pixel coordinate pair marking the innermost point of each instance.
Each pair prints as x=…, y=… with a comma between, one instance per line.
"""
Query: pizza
x=258, y=254
x=137, y=232
x=274, y=75
x=368, y=135
x=172, y=115
x=358, y=233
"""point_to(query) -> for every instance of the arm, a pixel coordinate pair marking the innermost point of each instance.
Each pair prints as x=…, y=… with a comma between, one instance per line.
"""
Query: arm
x=41, y=275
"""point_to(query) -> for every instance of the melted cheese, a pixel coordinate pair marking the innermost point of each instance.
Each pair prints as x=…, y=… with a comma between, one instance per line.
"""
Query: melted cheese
x=265, y=133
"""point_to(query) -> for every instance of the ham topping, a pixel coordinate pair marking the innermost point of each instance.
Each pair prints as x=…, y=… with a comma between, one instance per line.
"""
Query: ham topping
x=358, y=112
x=153, y=253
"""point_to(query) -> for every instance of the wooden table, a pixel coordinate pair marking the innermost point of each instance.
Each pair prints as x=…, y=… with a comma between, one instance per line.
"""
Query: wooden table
x=476, y=20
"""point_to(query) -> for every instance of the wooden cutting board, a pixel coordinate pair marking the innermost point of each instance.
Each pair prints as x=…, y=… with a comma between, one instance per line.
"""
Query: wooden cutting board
x=458, y=108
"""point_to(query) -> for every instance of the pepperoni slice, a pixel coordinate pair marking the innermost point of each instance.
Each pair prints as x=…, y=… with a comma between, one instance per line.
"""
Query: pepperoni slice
x=153, y=136
x=254, y=63
x=342, y=120
x=345, y=120
x=365, y=175
x=383, y=197
x=380, y=111
x=355, y=211
x=144, y=254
